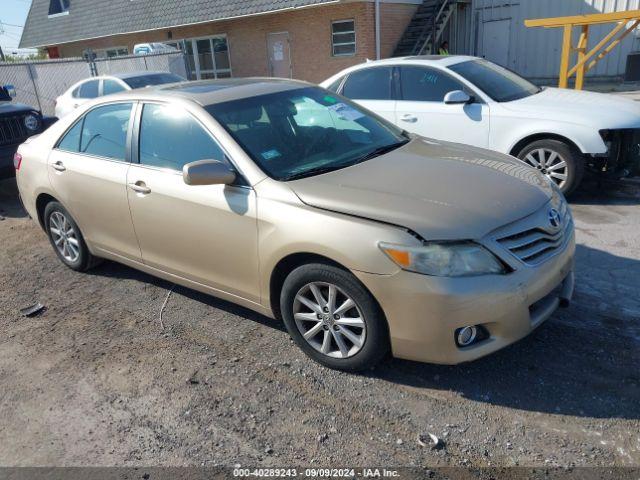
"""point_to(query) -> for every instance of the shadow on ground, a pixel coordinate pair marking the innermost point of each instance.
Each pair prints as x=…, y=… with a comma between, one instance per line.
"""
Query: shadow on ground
x=9, y=203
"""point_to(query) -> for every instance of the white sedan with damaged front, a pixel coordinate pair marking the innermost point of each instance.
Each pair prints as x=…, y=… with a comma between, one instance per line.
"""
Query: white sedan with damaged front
x=563, y=133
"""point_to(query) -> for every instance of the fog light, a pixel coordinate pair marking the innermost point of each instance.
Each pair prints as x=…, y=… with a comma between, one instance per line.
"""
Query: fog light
x=465, y=336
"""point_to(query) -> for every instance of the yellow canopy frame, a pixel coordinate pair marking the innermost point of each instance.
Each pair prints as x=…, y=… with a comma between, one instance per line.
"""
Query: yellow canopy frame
x=608, y=43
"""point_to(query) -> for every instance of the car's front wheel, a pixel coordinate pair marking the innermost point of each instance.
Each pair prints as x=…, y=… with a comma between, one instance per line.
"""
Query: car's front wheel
x=66, y=238
x=333, y=318
x=560, y=162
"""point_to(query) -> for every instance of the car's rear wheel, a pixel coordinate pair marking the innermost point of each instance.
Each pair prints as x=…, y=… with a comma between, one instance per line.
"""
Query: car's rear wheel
x=333, y=318
x=560, y=162
x=66, y=238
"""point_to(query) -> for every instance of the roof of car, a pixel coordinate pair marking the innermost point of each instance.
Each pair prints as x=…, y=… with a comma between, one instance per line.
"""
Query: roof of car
x=144, y=73
x=208, y=92
x=442, y=60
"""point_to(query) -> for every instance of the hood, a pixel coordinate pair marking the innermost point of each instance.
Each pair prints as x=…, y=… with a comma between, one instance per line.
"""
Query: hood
x=581, y=107
x=442, y=191
x=11, y=108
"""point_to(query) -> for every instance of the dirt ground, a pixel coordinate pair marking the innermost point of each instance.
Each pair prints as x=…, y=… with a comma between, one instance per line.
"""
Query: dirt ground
x=93, y=380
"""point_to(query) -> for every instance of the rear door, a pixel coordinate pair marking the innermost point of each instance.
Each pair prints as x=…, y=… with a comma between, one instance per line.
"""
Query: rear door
x=373, y=89
x=421, y=108
x=207, y=233
x=88, y=172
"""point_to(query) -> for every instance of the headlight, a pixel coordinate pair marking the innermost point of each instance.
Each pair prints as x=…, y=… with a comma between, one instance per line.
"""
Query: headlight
x=445, y=259
x=32, y=122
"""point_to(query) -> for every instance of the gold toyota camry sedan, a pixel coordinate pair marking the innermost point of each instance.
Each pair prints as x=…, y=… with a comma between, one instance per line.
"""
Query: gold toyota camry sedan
x=297, y=203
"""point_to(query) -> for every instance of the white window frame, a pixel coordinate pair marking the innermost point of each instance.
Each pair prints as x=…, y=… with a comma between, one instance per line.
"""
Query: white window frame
x=196, y=60
x=334, y=44
x=196, y=56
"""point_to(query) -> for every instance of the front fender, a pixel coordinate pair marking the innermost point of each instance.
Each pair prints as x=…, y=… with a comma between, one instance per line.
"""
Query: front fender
x=507, y=133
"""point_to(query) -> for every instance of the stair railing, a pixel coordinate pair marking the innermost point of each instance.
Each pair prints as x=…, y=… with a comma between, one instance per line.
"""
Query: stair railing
x=445, y=3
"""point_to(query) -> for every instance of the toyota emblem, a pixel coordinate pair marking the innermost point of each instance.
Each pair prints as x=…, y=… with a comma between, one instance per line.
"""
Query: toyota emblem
x=554, y=218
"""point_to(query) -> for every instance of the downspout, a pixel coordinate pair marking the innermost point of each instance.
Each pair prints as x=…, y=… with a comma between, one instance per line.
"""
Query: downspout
x=377, y=28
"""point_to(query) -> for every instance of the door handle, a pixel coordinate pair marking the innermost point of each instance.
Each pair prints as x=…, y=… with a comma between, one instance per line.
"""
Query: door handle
x=140, y=187
x=409, y=118
x=59, y=166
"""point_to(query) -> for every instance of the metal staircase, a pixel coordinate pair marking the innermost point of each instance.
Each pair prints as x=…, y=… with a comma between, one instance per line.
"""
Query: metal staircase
x=426, y=28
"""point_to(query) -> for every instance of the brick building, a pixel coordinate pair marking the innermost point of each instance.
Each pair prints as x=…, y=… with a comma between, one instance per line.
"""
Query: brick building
x=306, y=39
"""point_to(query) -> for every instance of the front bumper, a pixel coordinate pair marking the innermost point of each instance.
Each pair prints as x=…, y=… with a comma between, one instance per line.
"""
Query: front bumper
x=423, y=312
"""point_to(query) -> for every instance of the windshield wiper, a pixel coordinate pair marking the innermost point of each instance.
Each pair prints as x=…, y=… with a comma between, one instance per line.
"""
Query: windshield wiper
x=326, y=169
x=380, y=151
x=313, y=171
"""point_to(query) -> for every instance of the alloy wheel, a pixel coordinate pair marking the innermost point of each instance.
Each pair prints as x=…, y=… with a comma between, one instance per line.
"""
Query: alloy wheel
x=64, y=236
x=549, y=163
x=329, y=320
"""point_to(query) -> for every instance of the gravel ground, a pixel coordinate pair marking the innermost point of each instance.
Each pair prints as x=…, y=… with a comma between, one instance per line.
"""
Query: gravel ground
x=94, y=381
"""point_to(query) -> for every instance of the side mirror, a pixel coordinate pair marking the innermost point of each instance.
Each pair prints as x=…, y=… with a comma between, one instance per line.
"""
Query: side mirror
x=457, y=97
x=207, y=172
x=11, y=90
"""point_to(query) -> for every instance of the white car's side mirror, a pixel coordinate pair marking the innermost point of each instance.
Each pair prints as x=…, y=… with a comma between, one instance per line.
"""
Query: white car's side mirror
x=457, y=97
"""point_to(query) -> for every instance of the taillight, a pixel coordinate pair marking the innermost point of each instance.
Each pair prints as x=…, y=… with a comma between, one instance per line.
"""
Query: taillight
x=17, y=160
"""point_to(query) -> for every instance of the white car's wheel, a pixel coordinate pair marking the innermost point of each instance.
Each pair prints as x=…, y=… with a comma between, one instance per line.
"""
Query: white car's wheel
x=560, y=162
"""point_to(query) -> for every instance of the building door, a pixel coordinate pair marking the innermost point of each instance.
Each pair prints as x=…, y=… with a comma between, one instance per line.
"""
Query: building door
x=279, y=54
x=495, y=41
x=207, y=57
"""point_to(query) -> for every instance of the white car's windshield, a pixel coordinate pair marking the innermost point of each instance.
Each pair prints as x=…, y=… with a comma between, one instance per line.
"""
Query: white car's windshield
x=304, y=132
x=500, y=84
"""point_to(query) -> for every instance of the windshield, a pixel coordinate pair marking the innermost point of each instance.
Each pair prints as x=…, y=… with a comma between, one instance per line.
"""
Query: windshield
x=152, y=79
x=500, y=84
x=304, y=132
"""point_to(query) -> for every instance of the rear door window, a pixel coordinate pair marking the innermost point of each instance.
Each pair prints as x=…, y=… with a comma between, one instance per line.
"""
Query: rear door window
x=111, y=86
x=101, y=132
x=88, y=89
x=369, y=84
x=71, y=140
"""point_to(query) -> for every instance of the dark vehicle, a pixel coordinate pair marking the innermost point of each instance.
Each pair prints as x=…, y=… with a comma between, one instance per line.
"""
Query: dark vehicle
x=17, y=123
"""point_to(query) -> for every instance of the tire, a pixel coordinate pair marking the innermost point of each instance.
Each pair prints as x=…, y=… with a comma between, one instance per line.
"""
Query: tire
x=76, y=255
x=572, y=158
x=372, y=340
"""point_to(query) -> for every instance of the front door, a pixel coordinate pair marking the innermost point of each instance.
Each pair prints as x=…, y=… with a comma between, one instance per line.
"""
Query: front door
x=278, y=48
x=421, y=108
x=206, y=234
x=88, y=172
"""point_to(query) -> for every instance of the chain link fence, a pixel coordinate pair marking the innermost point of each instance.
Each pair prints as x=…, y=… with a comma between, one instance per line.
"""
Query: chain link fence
x=39, y=83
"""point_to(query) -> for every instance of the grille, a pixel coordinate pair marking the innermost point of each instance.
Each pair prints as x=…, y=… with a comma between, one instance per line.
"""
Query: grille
x=536, y=245
x=12, y=130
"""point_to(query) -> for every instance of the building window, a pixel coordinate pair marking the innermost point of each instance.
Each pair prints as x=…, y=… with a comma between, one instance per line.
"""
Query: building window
x=343, y=38
x=112, y=52
x=58, y=7
x=208, y=57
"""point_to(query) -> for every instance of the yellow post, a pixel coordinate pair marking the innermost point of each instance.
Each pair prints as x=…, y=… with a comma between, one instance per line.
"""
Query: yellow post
x=566, y=53
x=582, y=48
x=613, y=44
x=585, y=60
